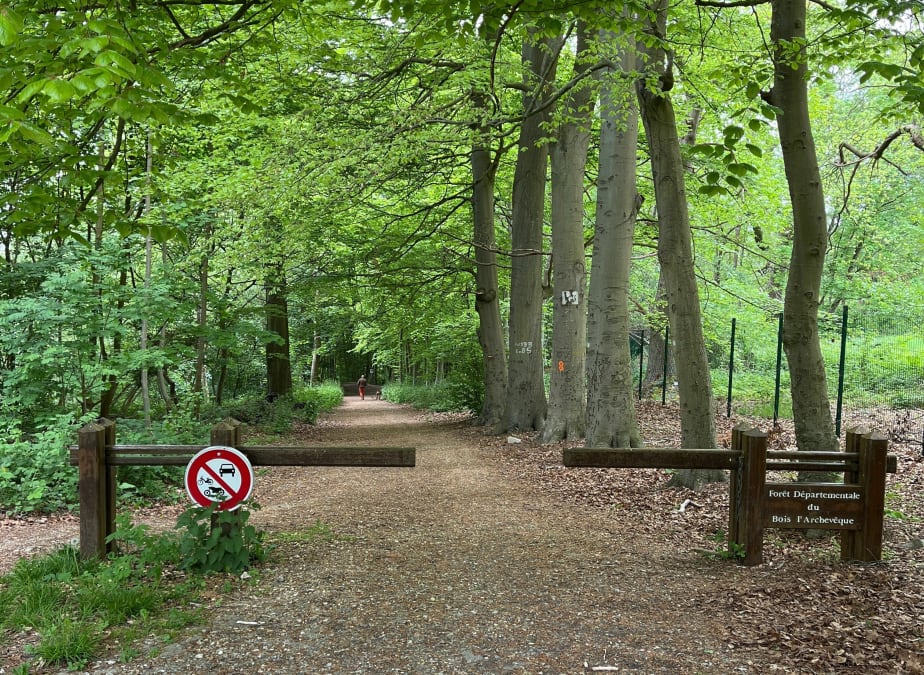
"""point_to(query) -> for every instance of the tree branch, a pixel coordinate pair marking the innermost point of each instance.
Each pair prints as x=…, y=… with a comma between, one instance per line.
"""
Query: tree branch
x=730, y=3
x=876, y=154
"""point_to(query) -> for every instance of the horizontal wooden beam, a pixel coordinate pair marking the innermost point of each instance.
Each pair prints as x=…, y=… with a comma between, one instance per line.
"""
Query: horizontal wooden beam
x=284, y=456
x=813, y=455
x=179, y=455
x=809, y=465
x=679, y=458
x=650, y=458
x=820, y=461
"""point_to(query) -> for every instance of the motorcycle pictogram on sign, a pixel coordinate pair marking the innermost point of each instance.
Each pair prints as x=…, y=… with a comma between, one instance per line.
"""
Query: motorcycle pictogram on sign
x=219, y=475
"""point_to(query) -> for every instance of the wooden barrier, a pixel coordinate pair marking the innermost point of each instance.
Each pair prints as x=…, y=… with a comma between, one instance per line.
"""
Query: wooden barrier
x=855, y=507
x=97, y=457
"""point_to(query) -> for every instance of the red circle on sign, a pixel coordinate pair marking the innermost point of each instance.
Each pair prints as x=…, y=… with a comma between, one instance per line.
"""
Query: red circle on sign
x=219, y=475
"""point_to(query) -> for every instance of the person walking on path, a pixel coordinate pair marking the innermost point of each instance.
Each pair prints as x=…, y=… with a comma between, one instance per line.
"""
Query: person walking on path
x=361, y=385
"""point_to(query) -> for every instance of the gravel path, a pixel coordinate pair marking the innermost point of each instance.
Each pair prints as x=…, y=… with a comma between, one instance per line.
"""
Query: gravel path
x=450, y=567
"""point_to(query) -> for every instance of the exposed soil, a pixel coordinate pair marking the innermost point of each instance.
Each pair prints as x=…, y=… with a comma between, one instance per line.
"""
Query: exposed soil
x=490, y=557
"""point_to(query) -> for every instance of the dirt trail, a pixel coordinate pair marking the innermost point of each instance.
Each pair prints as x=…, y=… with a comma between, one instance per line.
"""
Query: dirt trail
x=449, y=567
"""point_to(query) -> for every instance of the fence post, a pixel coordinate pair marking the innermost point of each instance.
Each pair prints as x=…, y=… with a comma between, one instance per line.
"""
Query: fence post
x=226, y=433
x=667, y=348
x=865, y=544
x=734, y=483
x=93, y=490
x=840, y=376
x=853, y=437
x=641, y=363
x=779, y=365
x=750, y=530
x=731, y=368
x=112, y=483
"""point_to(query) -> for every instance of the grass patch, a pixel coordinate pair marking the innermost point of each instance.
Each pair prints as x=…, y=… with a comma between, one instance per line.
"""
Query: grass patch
x=76, y=607
x=319, y=531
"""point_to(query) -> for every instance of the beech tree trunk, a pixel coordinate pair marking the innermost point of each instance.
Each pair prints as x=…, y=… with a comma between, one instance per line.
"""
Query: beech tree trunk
x=566, y=416
x=611, y=418
x=148, y=265
x=315, y=353
x=487, y=301
x=526, y=402
x=675, y=253
x=278, y=364
x=164, y=385
x=658, y=371
x=201, y=322
x=811, y=408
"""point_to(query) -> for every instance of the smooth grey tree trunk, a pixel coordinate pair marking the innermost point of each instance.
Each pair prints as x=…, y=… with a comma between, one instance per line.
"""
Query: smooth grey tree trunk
x=659, y=371
x=278, y=363
x=315, y=354
x=566, y=414
x=487, y=297
x=810, y=404
x=202, y=325
x=526, y=401
x=148, y=266
x=611, y=418
x=163, y=382
x=675, y=253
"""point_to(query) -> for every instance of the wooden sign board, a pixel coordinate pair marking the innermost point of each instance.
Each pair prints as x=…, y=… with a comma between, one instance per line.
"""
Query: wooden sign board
x=822, y=506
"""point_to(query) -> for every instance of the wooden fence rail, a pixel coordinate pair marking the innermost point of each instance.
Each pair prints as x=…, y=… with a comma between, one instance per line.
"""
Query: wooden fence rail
x=97, y=457
x=855, y=507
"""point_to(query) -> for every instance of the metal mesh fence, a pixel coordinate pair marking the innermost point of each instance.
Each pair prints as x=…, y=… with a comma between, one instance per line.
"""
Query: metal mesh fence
x=884, y=373
x=874, y=369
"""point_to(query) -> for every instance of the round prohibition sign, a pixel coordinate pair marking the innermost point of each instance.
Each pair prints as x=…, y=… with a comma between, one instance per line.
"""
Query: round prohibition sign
x=219, y=475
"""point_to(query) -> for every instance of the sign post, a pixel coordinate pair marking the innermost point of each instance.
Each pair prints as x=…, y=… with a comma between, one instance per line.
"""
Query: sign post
x=855, y=507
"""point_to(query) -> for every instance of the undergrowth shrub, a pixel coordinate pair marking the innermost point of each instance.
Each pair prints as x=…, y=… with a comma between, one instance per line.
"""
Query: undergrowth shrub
x=219, y=541
x=276, y=414
x=76, y=605
x=35, y=474
x=445, y=396
x=319, y=399
x=35, y=470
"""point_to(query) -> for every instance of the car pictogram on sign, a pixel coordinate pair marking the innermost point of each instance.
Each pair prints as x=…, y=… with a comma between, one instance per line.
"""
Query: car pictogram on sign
x=226, y=468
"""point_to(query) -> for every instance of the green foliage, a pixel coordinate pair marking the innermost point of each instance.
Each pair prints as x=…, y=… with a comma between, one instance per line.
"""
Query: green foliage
x=35, y=474
x=255, y=410
x=725, y=550
x=319, y=531
x=888, y=368
x=278, y=414
x=380, y=281
x=318, y=400
x=69, y=641
x=445, y=396
x=219, y=541
x=275, y=416
x=74, y=604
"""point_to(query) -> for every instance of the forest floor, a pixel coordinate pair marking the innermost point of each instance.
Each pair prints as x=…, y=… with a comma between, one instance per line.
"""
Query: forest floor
x=491, y=557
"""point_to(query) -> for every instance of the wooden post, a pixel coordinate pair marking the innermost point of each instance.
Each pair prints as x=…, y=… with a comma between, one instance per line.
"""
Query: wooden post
x=112, y=484
x=226, y=433
x=751, y=512
x=93, y=489
x=734, y=482
x=865, y=544
x=853, y=438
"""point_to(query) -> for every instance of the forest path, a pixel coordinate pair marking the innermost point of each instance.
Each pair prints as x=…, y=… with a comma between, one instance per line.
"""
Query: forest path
x=449, y=567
